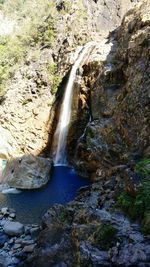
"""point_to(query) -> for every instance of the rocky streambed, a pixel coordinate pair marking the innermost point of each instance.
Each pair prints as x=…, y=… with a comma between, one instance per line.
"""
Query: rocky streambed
x=90, y=231
x=17, y=241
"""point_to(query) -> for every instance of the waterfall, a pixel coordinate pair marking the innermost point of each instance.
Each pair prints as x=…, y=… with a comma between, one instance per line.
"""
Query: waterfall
x=65, y=112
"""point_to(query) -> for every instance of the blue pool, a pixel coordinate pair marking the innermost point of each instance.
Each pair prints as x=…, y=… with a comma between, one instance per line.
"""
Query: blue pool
x=31, y=205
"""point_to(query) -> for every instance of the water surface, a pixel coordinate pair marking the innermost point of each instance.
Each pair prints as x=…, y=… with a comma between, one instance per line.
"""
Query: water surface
x=31, y=205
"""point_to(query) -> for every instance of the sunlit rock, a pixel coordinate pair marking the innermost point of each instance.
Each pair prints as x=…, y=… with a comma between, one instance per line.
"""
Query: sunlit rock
x=27, y=172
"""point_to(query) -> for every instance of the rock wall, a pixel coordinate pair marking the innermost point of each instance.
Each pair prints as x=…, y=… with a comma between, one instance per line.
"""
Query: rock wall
x=25, y=113
x=119, y=131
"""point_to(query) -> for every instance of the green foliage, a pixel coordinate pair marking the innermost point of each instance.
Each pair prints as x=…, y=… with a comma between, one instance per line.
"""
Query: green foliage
x=2, y=2
x=146, y=223
x=128, y=204
x=105, y=235
x=54, y=78
x=90, y=133
x=37, y=32
x=143, y=195
x=52, y=68
x=11, y=52
x=35, y=26
x=138, y=207
x=143, y=167
x=63, y=215
x=55, y=83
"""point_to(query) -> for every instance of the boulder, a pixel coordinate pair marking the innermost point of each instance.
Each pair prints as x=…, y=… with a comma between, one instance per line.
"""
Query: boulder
x=27, y=172
x=13, y=228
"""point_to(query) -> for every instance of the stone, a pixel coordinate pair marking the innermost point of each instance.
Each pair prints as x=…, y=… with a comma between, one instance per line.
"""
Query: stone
x=11, y=241
x=29, y=248
x=130, y=254
x=97, y=256
x=27, y=229
x=16, y=246
x=12, y=215
x=18, y=241
x=4, y=260
x=34, y=232
x=27, y=172
x=27, y=237
x=4, y=211
x=3, y=239
x=13, y=228
x=27, y=242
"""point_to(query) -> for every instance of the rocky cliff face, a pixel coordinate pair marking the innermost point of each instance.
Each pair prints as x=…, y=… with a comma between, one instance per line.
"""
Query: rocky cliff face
x=26, y=109
x=91, y=231
x=119, y=131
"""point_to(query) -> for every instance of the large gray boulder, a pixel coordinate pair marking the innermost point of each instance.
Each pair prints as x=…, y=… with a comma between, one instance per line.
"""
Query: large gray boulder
x=13, y=228
x=27, y=172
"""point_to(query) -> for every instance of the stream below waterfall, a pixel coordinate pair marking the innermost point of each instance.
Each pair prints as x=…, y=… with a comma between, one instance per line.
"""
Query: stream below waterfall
x=30, y=205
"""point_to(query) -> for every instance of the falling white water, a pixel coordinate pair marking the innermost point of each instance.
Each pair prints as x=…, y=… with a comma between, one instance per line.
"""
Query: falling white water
x=65, y=113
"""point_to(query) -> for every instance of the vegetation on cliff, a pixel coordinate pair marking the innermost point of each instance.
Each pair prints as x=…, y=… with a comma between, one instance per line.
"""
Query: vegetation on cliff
x=34, y=26
x=138, y=206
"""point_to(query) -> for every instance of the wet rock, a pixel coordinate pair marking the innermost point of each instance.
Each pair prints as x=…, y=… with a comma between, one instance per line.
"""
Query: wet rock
x=13, y=228
x=27, y=172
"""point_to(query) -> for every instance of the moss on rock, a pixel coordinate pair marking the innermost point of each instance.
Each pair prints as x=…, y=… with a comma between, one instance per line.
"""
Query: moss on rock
x=105, y=235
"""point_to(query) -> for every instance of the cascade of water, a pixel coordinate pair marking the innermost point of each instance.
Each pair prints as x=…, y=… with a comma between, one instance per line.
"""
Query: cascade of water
x=65, y=113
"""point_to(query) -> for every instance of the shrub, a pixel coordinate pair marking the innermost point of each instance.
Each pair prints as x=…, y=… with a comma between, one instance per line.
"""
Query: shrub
x=105, y=236
x=11, y=52
x=35, y=26
x=54, y=78
x=138, y=207
x=143, y=167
